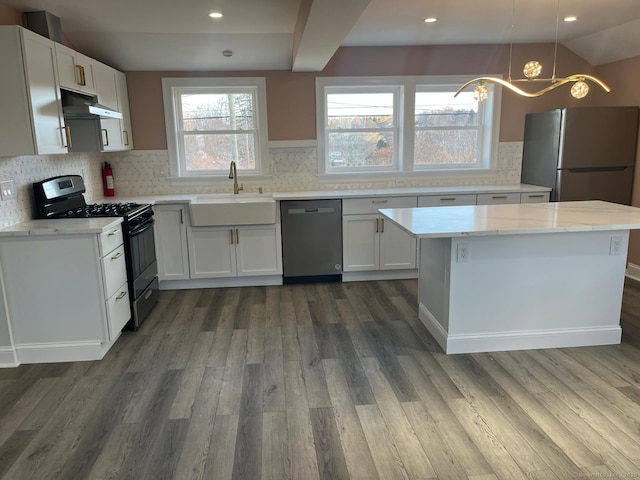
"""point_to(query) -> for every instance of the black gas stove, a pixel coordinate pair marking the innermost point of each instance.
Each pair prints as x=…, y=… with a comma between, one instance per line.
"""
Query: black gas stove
x=63, y=197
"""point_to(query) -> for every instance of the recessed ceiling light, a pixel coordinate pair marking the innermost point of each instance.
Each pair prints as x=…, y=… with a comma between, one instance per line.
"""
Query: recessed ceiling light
x=570, y=18
x=430, y=20
x=215, y=15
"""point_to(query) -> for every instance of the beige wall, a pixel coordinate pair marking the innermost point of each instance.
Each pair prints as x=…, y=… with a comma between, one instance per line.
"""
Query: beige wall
x=9, y=16
x=291, y=96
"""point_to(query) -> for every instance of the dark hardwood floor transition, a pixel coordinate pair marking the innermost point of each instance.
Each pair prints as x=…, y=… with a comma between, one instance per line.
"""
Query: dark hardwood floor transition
x=326, y=381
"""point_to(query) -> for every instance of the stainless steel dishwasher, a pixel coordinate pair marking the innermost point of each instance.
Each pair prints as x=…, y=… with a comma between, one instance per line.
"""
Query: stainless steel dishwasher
x=311, y=240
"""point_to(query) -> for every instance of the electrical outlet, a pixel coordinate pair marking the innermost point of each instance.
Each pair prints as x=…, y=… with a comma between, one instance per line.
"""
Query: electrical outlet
x=615, y=248
x=7, y=189
x=463, y=252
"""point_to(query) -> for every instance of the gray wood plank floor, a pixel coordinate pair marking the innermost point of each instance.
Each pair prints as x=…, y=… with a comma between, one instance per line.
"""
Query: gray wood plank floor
x=326, y=381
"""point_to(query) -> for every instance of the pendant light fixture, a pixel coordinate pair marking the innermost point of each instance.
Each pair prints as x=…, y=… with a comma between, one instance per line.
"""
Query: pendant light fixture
x=532, y=71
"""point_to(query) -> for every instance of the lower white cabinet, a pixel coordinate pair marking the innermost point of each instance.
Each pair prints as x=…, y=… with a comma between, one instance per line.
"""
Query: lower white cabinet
x=370, y=243
x=534, y=197
x=498, y=198
x=66, y=295
x=171, y=242
x=235, y=251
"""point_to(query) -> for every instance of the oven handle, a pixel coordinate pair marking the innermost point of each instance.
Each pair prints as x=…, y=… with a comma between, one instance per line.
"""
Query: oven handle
x=141, y=229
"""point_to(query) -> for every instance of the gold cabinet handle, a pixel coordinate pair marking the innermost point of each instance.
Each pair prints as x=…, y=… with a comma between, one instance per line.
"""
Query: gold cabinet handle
x=112, y=233
x=67, y=135
x=116, y=256
x=181, y=218
x=231, y=230
x=106, y=136
x=237, y=236
x=377, y=225
x=535, y=196
x=499, y=197
x=126, y=136
x=447, y=199
x=379, y=201
x=81, y=76
x=382, y=225
x=121, y=296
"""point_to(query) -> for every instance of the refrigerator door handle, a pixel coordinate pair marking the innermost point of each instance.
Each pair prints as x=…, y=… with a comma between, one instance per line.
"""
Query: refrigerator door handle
x=597, y=169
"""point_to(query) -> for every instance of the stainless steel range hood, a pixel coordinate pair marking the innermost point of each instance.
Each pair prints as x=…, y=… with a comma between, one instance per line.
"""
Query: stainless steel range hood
x=76, y=105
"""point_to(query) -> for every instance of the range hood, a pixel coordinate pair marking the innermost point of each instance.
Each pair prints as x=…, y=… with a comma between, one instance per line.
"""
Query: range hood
x=76, y=105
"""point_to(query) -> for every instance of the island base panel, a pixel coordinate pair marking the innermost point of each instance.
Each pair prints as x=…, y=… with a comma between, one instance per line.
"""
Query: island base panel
x=516, y=292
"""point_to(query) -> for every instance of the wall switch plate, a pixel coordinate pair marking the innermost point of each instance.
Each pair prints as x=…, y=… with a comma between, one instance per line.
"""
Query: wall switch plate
x=615, y=248
x=7, y=189
x=462, y=252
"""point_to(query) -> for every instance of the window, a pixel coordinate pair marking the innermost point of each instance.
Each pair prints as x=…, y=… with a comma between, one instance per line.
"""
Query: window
x=404, y=125
x=361, y=129
x=214, y=121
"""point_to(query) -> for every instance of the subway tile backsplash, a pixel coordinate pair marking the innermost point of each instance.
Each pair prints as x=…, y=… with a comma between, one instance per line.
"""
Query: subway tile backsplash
x=144, y=172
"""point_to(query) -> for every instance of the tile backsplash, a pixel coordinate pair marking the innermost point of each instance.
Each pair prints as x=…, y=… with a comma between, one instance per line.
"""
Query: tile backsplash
x=144, y=172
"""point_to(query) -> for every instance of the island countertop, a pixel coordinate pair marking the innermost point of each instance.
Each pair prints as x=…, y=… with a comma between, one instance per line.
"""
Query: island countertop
x=479, y=220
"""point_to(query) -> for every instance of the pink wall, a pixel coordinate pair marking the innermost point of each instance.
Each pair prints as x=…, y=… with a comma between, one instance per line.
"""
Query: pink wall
x=291, y=96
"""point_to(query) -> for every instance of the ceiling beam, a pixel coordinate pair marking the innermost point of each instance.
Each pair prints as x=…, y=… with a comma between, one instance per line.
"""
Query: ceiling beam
x=321, y=28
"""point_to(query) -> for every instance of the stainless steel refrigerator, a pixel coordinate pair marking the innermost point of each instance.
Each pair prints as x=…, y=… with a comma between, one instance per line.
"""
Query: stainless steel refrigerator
x=582, y=153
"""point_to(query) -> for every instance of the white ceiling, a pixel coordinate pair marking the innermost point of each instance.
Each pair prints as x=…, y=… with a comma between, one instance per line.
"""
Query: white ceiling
x=303, y=34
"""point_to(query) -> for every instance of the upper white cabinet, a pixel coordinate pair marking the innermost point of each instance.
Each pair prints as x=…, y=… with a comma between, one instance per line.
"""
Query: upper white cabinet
x=111, y=87
x=75, y=70
x=123, y=107
x=31, y=122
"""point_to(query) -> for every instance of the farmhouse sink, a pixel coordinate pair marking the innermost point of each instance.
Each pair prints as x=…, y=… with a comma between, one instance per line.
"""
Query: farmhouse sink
x=230, y=209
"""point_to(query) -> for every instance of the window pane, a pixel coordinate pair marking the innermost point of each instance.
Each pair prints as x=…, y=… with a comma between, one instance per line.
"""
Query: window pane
x=217, y=111
x=360, y=149
x=215, y=152
x=434, y=147
x=360, y=110
x=441, y=109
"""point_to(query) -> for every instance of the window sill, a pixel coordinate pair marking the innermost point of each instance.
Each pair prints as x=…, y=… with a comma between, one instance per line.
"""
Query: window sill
x=350, y=177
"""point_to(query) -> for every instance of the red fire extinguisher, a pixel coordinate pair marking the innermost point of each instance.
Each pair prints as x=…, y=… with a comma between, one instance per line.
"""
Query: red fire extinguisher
x=107, y=180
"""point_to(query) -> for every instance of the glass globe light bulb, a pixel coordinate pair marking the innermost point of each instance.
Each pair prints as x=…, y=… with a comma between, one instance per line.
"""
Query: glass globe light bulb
x=481, y=92
x=532, y=69
x=579, y=89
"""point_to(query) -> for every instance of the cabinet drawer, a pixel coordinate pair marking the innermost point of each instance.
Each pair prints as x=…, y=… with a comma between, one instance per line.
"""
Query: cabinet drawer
x=110, y=239
x=534, y=197
x=498, y=198
x=371, y=205
x=446, y=200
x=118, y=310
x=114, y=270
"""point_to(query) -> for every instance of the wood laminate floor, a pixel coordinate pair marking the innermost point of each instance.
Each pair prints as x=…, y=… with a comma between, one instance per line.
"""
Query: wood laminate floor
x=327, y=381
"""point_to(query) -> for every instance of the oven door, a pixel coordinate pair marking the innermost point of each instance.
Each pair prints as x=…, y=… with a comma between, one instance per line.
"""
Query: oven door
x=142, y=255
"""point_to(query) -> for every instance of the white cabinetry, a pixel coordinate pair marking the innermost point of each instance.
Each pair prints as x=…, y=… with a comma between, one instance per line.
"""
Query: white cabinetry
x=31, y=122
x=534, y=197
x=66, y=295
x=171, y=242
x=447, y=200
x=498, y=198
x=235, y=251
x=123, y=108
x=75, y=70
x=370, y=243
x=107, y=90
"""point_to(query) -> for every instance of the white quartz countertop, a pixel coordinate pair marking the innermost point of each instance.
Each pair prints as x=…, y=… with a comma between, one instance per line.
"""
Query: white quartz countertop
x=434, y=222
x=62, y=226
x=354, y=193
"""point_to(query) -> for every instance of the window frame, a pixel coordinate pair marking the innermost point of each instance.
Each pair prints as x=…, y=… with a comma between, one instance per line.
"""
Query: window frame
x=174, y=87
x=488, y=119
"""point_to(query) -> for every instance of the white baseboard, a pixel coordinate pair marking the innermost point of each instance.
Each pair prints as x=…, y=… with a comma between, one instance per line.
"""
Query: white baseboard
x=519, y=340
x=62, y=352
x=633, y=271
x=379, y=275
x=220, y=282
x=8, y=357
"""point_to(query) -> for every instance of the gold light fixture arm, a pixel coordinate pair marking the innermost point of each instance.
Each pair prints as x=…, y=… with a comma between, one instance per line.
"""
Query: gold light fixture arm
x=557, y=83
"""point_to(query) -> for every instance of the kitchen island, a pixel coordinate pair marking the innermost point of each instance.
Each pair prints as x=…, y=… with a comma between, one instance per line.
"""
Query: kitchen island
x=524, y=276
